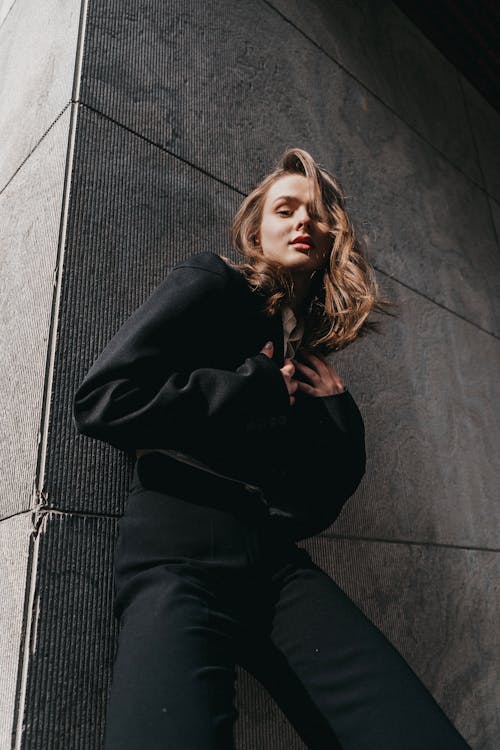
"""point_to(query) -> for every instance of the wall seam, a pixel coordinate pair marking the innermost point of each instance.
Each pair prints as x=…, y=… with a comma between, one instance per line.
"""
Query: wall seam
x=37, y=495
x=43, y=513
x=25, y=641
x=147, y=140
x=413, y=542
x=75, y=88
x=377, y=96
x=478, y=156
x=58, y=511
x=42, y=137
x=240, y=192
x=38, y=519
x=7, y=14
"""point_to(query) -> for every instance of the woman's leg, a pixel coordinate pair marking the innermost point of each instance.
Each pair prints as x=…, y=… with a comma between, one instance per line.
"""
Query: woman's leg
x=174, y=674
x=340, y=681
x=173, y=678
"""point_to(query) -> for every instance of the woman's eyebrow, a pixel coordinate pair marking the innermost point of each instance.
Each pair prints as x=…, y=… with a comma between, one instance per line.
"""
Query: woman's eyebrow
x=291, y=198
x=285, y=197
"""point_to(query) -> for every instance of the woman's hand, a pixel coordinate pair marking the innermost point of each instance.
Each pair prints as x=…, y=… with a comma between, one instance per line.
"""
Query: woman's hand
x=323, y=379
x=287, y=371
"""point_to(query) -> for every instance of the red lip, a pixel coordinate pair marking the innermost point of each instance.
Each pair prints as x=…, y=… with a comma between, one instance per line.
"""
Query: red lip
x=303, y=239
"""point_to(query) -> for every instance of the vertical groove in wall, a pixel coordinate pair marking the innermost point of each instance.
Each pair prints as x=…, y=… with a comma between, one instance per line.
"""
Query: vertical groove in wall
x=31, y=613
x=25, y=630
x=77, y=77
x=52, y=339
x=43, y=429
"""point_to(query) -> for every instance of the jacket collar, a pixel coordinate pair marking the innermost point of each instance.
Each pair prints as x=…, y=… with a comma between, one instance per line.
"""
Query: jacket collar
x=271, y=326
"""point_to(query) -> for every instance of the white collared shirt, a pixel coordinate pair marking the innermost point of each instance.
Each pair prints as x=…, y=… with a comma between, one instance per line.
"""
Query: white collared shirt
x=293, y=331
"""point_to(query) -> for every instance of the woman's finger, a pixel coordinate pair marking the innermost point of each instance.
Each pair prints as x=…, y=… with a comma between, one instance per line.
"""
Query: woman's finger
x=288, y=367
x=306, y=388
x=320, y=364
x=307, y=371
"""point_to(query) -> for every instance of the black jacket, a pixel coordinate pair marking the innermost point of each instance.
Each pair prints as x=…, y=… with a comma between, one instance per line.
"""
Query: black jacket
x=185, y=372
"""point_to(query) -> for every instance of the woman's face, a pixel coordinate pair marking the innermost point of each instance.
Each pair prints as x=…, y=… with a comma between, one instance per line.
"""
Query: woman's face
x=287, y=218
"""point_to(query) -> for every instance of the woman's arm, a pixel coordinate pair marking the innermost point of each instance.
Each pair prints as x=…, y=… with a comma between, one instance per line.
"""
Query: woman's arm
x=142, y=389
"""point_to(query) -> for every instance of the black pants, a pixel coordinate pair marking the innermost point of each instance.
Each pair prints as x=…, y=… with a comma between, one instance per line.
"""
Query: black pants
x=201, y=588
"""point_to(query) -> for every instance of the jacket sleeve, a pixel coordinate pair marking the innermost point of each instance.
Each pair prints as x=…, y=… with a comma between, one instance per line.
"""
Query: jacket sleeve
x=342, y=431
x=323, y=462
x=141, y=391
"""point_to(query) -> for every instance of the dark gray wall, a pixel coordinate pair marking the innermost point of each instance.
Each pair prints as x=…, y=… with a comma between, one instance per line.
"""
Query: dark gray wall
x=181, y=108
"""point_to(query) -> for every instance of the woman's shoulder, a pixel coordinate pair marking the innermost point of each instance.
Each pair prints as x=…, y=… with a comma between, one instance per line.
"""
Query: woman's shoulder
x=207, y=261
x=217, y=267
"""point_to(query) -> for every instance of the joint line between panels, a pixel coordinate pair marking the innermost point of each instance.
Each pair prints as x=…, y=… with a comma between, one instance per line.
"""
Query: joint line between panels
x=42, y=137
x=377, y=96
x=241, y=192
x=478, y=157
x=413, y=542
x=435, y=302
x=147, y=140
x=41, y=511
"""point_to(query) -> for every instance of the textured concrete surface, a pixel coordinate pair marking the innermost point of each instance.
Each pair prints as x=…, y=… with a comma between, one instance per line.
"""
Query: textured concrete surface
x=72, y=644
x=184, y=79
x=30, y=214
x=14, y=548
x=428, y=393
x=5, y=8
x=37, y=74
x=379, y=46
x=485, y=123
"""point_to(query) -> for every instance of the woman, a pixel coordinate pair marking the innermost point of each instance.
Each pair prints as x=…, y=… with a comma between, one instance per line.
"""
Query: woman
x=247, y=440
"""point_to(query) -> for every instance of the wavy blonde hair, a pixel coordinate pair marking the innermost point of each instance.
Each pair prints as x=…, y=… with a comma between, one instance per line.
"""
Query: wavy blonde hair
x=343, y=292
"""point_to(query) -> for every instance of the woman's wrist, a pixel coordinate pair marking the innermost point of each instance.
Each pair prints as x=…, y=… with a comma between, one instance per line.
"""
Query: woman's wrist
x=336, y=393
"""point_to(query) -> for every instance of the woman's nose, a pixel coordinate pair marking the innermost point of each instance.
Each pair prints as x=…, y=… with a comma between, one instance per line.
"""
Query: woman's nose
x=303, y=219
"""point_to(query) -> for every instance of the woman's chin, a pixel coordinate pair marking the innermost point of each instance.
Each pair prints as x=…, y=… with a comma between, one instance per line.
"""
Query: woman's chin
x=296, y=260
x=302, y=261
x=298, y=256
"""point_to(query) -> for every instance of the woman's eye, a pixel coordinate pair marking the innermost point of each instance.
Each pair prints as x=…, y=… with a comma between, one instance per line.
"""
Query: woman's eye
x=284, y=211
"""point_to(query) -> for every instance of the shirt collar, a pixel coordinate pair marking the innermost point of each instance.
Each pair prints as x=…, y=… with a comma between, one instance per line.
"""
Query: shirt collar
x=293, y=330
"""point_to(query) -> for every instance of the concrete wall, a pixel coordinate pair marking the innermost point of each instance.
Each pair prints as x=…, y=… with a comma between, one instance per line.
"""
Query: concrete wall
x=38, y=44
x=180, y=112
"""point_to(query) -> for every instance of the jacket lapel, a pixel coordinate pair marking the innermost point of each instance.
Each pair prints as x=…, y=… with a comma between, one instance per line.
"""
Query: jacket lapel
x=256, y=327
x=276, y=336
